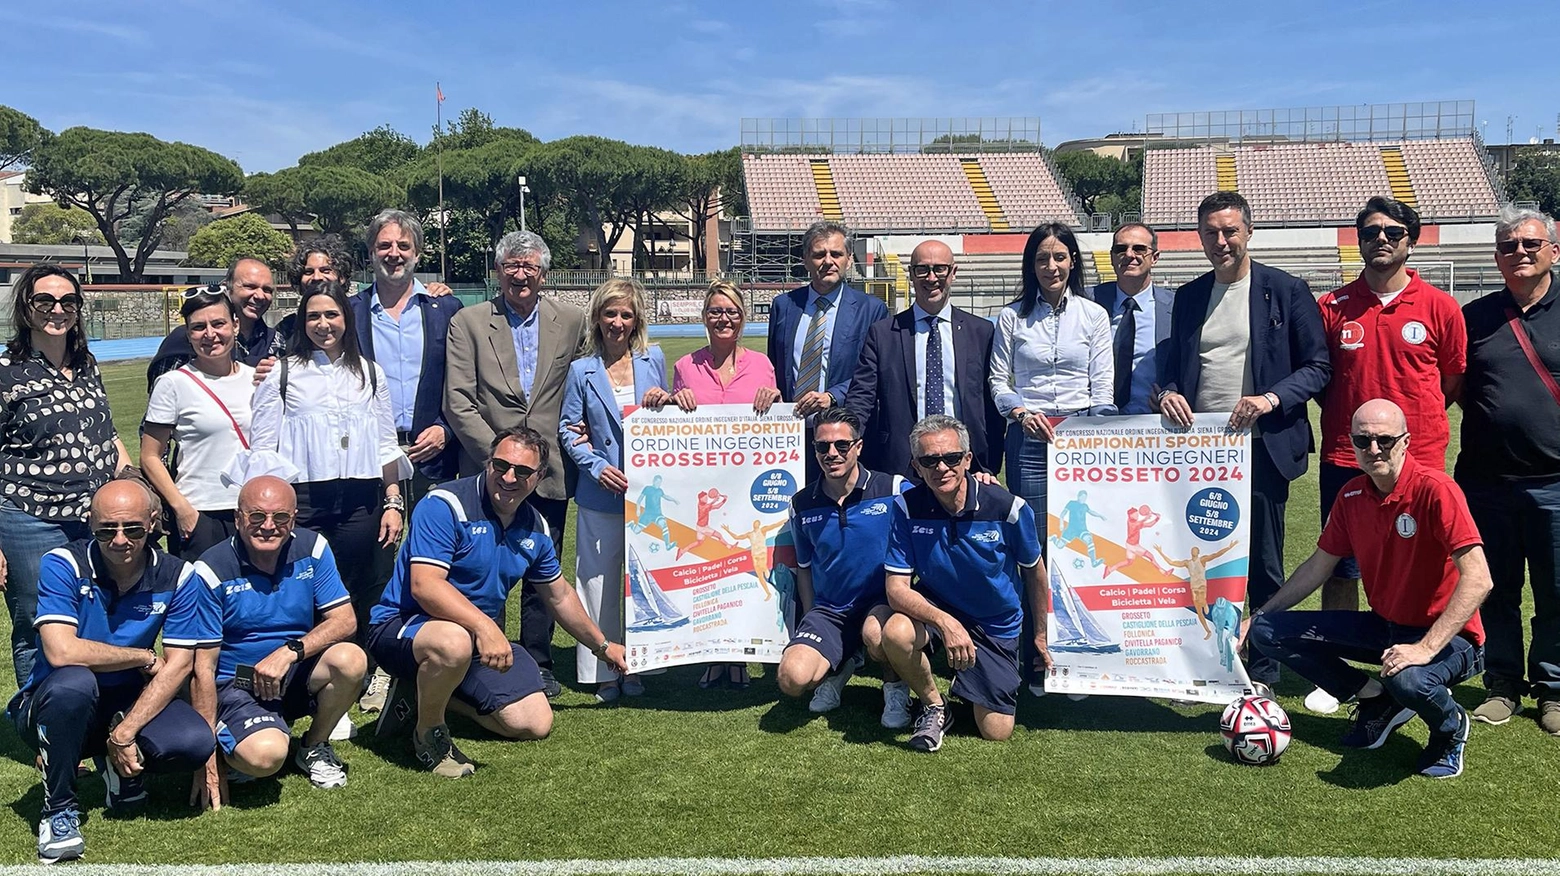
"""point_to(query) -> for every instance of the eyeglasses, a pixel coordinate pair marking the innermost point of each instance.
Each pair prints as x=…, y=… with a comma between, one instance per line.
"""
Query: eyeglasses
x=1528, y=244
x=1393, y=233
x=841, y=446
x=931, y=461
x=70, y=303
x=1137, y=249
x=502, y=467
x=512, y=268
x=132, y=531
x=258, y=518
x=1385, y=442
x=210, y=289
x=727, y=312
x=924, y=271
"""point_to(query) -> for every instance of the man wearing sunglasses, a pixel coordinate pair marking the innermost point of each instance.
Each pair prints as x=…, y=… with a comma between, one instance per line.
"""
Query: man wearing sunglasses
x=929, y=359
x=277, y=663
x=1424, y=571
x=251, y=285
x=840, y=523
x=438, y=629
x=1139, y=315
x=98, y=689
x=1390, y=335
x=974, y=554
x=1509, y=464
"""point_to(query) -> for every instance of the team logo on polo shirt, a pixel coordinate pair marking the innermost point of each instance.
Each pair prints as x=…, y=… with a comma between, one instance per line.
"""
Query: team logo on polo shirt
x=875, y=509
x=1415, y=332
x=1406, y=525
x=1351, y=336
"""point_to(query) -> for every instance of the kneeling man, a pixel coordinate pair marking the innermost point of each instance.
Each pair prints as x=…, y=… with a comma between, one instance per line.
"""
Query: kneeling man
x=964, y=542
x=438, y=625
x=840, y=524
x=276, y=664
x=1424, y=573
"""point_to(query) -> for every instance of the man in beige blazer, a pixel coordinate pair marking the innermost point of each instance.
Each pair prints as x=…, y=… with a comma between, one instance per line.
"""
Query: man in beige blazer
x=506, y=362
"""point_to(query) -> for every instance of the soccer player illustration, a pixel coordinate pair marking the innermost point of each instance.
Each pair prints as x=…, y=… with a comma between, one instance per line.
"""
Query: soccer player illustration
x=1138, y=519
x=650, y=513
x=1075, y=524
x=1196, y=567
x=758, y=546
x=709, y=500
x=1226, y=623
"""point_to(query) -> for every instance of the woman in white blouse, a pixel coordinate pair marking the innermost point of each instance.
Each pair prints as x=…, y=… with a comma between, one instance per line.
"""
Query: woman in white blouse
x=204, y=406
x=1051, y=357
x=325, y=409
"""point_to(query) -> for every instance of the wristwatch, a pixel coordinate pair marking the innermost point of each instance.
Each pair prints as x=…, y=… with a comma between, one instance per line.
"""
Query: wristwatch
x=601, y=650
x=295, y=646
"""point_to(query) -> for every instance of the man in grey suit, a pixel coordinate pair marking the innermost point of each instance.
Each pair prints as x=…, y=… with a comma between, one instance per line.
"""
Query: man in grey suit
x=1139, y=315
x=507, y=362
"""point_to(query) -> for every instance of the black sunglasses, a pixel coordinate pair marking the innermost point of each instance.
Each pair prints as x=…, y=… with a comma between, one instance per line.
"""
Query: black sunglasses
x=258, y=518
x=1385, y=442
x=1137, y=249
x=69, y=303
x=1528, y=244
x=502, y=467
x=841, y=446
x=931, y=461
x=132, y=531
x=1393, y=233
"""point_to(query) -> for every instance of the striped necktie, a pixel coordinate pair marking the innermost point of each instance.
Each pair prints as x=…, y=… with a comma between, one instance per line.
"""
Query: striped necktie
x=810, y=375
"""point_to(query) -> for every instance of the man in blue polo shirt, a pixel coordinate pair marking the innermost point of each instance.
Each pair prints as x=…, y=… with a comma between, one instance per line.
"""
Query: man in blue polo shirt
x=276, y=664
x=964, y=542
x=98, y=689
x=840, y=525
x=437, y=628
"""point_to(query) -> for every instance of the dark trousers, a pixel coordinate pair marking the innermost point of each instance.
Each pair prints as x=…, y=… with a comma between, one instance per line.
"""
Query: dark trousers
x=1269, y=494
x=212, y=528
x=347, y=513
x=66, y=718
x=1520, y=524
x=1316, y=644
x=536, y=623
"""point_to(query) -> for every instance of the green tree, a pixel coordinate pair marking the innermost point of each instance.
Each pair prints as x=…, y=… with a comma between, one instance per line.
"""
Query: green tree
x=247, y=234
x=382, y=151
x=53, y=224
x=334, y=199
x=20, y=134
x=481, y=179
x=656, y=181
x=711, y=180
x=1094, y=177
x=107, y=173
x=1535, y=176
x=588, y=177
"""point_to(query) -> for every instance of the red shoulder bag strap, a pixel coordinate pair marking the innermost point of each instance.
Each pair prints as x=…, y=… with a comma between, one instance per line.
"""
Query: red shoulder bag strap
x=241, y=439
x=1514, y=320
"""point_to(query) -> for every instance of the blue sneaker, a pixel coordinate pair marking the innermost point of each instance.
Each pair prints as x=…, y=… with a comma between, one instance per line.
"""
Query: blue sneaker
x=1374, y=720
x=59, y=837
x=1443, y=757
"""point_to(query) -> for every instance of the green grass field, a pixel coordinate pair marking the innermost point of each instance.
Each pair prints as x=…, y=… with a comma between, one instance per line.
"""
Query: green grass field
x=685, y=773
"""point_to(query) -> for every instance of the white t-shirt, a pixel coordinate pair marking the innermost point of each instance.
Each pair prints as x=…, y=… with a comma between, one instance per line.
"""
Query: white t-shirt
x=623, y=396
x=1224, y=355
x=207, y=442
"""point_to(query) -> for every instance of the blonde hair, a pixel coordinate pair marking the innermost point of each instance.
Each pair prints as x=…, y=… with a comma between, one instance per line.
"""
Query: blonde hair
x=730, y=290
x=618, y=289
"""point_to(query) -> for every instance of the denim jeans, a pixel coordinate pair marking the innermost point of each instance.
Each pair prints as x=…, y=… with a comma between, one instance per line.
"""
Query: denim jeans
x=24, y=540
x=1316, y=644
x=1026, y=478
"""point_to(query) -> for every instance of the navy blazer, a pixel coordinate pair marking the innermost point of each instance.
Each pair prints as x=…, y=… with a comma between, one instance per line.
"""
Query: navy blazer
x=883, y=392
x=1107, y=294
x=1288, y=357
x=428, y=408
x=857, y=312
x=587, y=395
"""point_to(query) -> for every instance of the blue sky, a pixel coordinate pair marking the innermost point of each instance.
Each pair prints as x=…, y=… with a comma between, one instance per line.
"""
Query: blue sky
x=264, y=82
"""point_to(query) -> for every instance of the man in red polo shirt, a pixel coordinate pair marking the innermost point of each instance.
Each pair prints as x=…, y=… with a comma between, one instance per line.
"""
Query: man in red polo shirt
x=1425, y=575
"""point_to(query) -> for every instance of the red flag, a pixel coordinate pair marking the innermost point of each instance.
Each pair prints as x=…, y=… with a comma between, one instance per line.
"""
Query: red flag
x=440, y=91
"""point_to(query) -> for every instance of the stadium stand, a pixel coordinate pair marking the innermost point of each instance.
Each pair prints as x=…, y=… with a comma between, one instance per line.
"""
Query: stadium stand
x=780, y=190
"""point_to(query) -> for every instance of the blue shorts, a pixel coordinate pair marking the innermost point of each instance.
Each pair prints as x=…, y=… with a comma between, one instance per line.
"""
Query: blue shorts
x=240, y=715
x=485, y=689
x=993, y=682
x=833, y=633
x=1332, y=478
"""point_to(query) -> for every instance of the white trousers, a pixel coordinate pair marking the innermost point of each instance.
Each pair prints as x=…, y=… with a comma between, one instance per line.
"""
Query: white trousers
x=598, y=578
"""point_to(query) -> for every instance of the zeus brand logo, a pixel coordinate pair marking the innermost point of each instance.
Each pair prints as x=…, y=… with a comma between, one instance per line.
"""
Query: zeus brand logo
x=240, y=587
x=875, y=510
x=923, y=530
x=813, y=636
x=808, y=521
x=479, y=529
x=987, y=537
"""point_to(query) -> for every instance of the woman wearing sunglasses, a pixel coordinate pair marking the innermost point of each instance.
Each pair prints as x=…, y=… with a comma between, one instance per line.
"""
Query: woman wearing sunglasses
x=57, y=440
x=204, y=406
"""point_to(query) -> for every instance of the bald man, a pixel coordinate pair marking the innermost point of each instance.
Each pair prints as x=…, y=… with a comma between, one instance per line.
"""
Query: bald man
x=276, y=664
x=929, y=359
x=1424, y=575
x=99, y=689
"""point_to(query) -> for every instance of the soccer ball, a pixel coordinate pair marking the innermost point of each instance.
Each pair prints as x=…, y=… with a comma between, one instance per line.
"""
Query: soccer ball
x=1255, y=730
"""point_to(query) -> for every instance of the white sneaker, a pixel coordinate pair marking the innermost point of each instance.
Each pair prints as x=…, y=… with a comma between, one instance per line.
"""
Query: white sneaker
x=373, y=698
x=1077, y=698
x=323, y=768
x=896, y=705
x=826, y=696
x=344, y=729
x=1321, y=702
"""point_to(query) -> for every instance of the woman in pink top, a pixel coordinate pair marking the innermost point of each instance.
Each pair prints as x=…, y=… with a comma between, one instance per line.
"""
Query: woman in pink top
x=724, y=372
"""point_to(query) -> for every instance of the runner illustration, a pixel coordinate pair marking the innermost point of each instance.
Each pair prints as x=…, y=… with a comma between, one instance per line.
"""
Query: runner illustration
x=1075, y=524
x=1196, y=567
x=709, y=500
x=1138, y=519
x=650, y=513
x=759, y=548
x=1226, y=622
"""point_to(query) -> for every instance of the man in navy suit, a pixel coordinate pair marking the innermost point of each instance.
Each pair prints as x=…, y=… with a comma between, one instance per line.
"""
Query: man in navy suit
x=899, y=381
x=1248, y=339
x=816, y=332
x=1139, y=316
